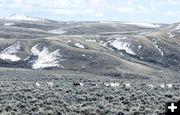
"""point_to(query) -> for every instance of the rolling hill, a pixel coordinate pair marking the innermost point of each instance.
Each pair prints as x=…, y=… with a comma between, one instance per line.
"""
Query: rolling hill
x=42, y=62
x=113, y=48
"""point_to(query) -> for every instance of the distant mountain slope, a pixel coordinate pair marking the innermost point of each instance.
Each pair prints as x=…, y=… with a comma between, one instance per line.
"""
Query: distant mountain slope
x=148, y=25
x=112, y=49
x=26, y=18
x=168, y=40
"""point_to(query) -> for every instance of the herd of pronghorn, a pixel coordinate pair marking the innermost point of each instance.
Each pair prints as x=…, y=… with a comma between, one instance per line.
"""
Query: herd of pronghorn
x=114, y=84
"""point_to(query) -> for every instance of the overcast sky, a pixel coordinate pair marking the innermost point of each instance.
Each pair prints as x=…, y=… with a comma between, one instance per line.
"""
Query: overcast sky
x=155, y=11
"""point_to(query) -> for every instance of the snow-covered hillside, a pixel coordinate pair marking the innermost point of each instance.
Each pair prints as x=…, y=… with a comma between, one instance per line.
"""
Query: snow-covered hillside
x=157, y=47
x=148, y=25
x=177, y=27
x=45, y=58
x=121, y=44
x=10, y=52
x=24, y=17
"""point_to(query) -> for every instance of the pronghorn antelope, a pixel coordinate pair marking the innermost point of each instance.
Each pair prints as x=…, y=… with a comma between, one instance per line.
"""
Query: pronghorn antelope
x=93, y=84
x=169, y=85
x=150, y=85
x=161, y=85
x=127, y=84
x=37, y=84
x=112, y=84
x=77, y=83
x=106, y=84
x=50, y=83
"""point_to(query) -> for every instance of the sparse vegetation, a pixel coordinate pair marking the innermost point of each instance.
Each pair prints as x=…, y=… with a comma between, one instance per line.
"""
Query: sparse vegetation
x=20, y=94
x=93, y=78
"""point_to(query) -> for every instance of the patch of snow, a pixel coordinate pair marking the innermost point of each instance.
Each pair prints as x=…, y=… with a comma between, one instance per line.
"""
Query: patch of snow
x=24, y=17
x=101, y=42
x=9, y=24
x=79, y=45
x=154, y=41
x=121, y=54
x=141, y=58
x=57, y=31
x=91, y=40
x=172, y=35
x=62, y=66
x=157, y=47
x=27, y=58
x=69, y=41
x=10, y=52
x=160, y=50
x=149, y=25
x=145, y=33
x=45, y=58
x=177, y=27
x=140, y=47
x=105, y=22
x=120, y=44
x=83, y=67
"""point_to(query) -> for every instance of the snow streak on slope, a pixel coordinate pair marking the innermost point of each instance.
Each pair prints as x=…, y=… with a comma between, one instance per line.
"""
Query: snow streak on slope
x=140, y=47
x=10, y=52
x=177, y=27
x=91, y=40
x=79, y=45
x=171, y=35
x=57, y=31
x=121, y=44
x=105, y=22
x=157, y=47
x=45, y=58
x=172, y=32
x=24, y=17
x=9, y=24
x=148, y=25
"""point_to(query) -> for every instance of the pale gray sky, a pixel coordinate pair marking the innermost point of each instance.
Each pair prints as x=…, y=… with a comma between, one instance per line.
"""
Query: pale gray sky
x=160, y=11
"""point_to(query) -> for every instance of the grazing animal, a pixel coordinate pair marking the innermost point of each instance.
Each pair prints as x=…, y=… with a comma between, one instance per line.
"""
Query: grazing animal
x=150, y=85
x=37, y=84
x=169, y=85
x=50, y=84
x=106, y=84
x=93, y=84
x=77, y=83
x=161, y=85
x=127, y=84
x=112, y=84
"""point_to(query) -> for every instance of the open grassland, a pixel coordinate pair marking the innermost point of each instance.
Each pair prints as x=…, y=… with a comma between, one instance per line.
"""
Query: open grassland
x=27, y=92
